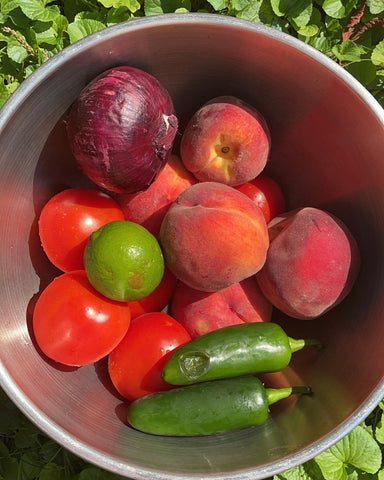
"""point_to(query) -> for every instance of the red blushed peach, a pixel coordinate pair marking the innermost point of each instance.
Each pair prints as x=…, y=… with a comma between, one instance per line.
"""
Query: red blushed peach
x=149, y=207
x=201, y=312
x=213, y=236
x=226, y=141
x=312, y=263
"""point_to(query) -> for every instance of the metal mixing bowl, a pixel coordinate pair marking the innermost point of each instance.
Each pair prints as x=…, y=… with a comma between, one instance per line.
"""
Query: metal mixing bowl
x=328, y=144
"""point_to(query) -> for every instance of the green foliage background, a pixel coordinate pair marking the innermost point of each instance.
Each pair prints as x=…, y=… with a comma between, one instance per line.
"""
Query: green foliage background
x=351, y=32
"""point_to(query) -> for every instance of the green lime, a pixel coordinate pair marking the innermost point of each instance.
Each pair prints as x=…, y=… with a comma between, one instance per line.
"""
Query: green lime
x=123, y=261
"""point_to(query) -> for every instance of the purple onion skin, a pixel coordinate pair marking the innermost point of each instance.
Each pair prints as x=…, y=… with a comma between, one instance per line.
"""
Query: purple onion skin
x=121, y=129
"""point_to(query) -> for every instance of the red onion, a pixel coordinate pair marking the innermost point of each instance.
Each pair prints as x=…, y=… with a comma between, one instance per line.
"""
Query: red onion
x=121, y=129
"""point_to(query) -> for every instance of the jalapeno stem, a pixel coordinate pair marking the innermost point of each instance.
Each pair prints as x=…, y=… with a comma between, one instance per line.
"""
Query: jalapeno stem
x=276, y=394
x=299, y=343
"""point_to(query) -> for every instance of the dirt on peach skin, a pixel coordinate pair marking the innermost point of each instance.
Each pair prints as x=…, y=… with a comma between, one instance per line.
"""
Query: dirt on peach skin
x=201, y=312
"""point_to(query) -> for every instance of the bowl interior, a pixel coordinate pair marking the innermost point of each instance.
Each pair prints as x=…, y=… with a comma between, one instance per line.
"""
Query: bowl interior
x=327, y=152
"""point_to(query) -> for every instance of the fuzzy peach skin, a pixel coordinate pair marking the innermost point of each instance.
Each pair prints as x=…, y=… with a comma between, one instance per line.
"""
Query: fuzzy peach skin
x=226, y=141
x=201, y=312
x=312, y=263
x=213, y=236
x=149, y=207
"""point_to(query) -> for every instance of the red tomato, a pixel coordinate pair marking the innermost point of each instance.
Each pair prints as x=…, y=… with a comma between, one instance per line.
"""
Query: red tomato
x=267, y=195
x=135, y=365
x=74, y=324
x=158, y=299
x=68, y=219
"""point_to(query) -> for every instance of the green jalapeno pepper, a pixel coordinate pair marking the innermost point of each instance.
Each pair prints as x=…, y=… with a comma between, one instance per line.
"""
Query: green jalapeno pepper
x=244, y=349
x=207, y=408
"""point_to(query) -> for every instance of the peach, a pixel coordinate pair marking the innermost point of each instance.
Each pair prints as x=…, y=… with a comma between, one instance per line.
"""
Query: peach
x=312, y=263
x=213, y=236
x=226, y=141
x=201, y=312
x=149, y=207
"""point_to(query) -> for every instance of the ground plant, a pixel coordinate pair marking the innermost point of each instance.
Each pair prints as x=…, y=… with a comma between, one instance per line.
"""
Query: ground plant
x=350, y=32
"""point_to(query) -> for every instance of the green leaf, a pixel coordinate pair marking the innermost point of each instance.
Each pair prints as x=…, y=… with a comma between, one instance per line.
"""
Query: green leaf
x=153, y=7
x=308, y=30
x=60, y=23
x=52, y=470
x=348, y=51
x=30, y=465
x=277, y=9
x=375, y=6
x=37, y=10
x=358, y=449
x=303, y=17
x=51, y=450
x=16, y=51
x=251, y=11
x=20, y=20
x=8, y=5
x=156, y=7
x=10, y=416
x=4, y=94
x=4, y=452
x=364, y=71
x=82, y=28
x=339, y=8
x=307, y=471
x=380, y=474
x=45, y=33
x=117, y=15
x=60, y=26
x=266, y=14
x=377, y=56
x=379, y=430
x=89, y=15
x=300, y=11
x=132, y=5
x=26, y=437
x=9, y=466
x=95, y=473
x=219, y=4
x=334, y=29
x=239, y=5
x=314, y=25
x=3, y=37
x=29, y=69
